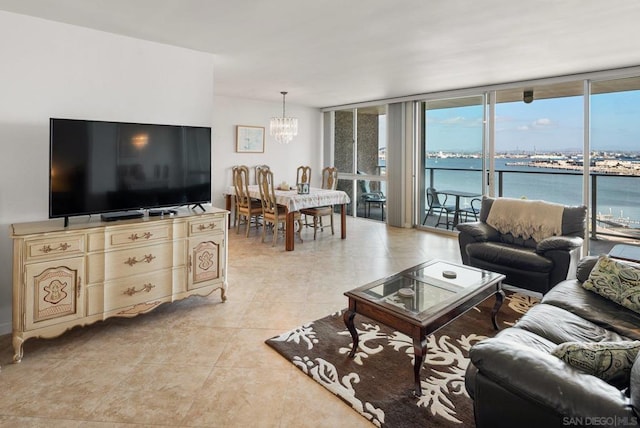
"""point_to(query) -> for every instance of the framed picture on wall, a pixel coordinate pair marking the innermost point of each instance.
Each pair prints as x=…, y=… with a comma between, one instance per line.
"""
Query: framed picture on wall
x=249, y=139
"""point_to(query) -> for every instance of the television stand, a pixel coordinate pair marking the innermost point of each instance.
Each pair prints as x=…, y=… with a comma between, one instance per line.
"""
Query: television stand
x=67, y=278
x=198, y=205
x=121, y=215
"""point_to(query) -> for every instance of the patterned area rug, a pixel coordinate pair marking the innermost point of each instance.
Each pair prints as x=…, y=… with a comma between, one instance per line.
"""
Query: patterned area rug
x=378, y=382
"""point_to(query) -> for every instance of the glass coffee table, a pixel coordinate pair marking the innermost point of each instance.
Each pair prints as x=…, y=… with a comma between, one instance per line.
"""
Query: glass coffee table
x=420, y=300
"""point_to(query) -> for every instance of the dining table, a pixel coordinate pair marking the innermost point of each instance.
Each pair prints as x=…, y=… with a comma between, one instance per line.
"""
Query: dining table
x=293, y=201
x=458, y=194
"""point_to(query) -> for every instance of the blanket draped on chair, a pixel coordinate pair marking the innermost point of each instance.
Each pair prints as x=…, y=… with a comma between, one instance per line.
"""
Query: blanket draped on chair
x=526, y=218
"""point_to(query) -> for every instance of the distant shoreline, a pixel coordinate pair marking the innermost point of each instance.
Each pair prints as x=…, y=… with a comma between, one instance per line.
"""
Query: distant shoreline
x=600, y=165
x=621, y=169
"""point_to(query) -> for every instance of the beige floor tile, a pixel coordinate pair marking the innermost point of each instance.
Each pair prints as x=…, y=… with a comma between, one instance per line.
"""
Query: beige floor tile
x=201, y=362
x=240, y=397
x=246, y=349
x=153, y=394
x=312, y=405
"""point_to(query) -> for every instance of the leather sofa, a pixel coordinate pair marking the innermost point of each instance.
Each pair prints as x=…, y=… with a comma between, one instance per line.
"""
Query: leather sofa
x=527, y=263
x=514, y=380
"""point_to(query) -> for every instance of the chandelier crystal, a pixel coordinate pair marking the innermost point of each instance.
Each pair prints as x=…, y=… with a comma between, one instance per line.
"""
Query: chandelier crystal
x=284, y=128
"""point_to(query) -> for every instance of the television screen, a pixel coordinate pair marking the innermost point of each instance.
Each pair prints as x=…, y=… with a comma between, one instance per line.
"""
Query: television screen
x=99, y=167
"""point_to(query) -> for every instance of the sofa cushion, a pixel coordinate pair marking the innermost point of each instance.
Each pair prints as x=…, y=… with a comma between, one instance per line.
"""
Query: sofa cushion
x=558, y=326
x=571, y=296
x=574, y=220
x=514, y=256
x=610, y=361
x=617, y=281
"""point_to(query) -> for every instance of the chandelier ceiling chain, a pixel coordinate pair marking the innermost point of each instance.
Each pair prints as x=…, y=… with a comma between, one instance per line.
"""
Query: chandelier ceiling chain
x=284, y=128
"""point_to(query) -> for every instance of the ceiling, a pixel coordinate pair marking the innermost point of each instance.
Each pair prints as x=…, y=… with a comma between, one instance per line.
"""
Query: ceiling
x=336, y=52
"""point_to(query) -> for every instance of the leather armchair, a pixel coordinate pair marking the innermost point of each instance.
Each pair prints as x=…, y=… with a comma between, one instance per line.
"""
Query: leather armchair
x=528, y=264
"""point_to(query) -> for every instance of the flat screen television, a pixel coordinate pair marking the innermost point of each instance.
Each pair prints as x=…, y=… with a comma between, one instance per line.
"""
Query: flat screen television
x=106, y=167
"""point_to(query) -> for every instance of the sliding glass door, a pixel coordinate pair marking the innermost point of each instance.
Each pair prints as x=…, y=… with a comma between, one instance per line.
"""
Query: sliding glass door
x=452, y=160
x=615, y=157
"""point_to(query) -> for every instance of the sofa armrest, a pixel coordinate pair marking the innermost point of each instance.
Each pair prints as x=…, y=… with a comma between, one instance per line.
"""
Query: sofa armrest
x=559, y=243
x=538, y=376
x=479, y=231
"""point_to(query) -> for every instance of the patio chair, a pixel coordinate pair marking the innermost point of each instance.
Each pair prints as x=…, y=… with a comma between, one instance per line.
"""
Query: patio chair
x=472, y=210
x=434, y=204
x=369, y=196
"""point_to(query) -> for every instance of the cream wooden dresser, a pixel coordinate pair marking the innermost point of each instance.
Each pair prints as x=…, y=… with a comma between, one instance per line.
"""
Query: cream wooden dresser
x=86, y=272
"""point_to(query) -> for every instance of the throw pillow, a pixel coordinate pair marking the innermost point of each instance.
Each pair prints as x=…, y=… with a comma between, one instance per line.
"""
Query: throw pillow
x=616, y=280
x=610, y=361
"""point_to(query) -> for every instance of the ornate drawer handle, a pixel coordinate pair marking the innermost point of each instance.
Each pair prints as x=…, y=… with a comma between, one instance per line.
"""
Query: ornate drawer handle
x=62, y=247
x=148, y=258
x=132, y=290
x=134, y=236
x=202, y=227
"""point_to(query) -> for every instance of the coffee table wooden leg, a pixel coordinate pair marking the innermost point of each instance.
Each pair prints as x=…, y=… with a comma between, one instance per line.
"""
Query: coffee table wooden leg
x=496, y=306
x=348, y=321
x=420, y=352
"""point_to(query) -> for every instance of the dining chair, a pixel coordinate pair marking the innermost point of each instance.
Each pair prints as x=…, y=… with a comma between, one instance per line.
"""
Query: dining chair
x=329, y=182
x=234, y=178
x=245, y=206
x=259, y=168
x=272, y=213
x=435, y=204
x=303, y=175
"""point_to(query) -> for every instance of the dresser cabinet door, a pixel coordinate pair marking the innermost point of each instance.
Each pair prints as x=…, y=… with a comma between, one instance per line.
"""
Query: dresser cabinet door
x=54, y=292
x=205, y=261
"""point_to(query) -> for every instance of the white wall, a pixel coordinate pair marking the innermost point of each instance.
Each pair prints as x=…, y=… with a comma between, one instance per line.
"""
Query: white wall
x=50, y=69
x=305, y=149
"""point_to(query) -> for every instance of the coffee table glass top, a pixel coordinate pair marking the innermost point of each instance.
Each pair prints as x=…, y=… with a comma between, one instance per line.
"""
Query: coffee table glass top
x=427, y=287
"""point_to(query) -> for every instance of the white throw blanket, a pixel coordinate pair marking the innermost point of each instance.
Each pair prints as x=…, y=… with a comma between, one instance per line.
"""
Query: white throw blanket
x=526, y=218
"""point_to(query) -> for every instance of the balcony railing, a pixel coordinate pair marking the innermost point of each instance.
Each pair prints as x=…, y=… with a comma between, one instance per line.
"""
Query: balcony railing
x=557, y=186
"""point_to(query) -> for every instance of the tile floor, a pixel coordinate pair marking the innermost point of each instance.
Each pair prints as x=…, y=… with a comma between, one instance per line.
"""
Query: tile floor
x=203, y=363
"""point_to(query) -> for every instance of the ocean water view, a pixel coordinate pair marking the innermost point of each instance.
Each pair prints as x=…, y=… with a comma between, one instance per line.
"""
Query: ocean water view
x=617, y=197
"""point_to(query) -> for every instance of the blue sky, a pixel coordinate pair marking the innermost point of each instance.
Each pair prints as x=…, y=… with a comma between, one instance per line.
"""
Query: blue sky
x=546, y=125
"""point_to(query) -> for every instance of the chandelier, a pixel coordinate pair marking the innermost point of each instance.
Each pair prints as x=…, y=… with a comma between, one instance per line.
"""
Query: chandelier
x=284, y=128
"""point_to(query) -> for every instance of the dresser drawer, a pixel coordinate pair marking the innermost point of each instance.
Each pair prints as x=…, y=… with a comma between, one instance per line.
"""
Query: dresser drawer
x=138, y=235
x=55, y=247
x=130, y=261
x=206, y=225
x=139, y=289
